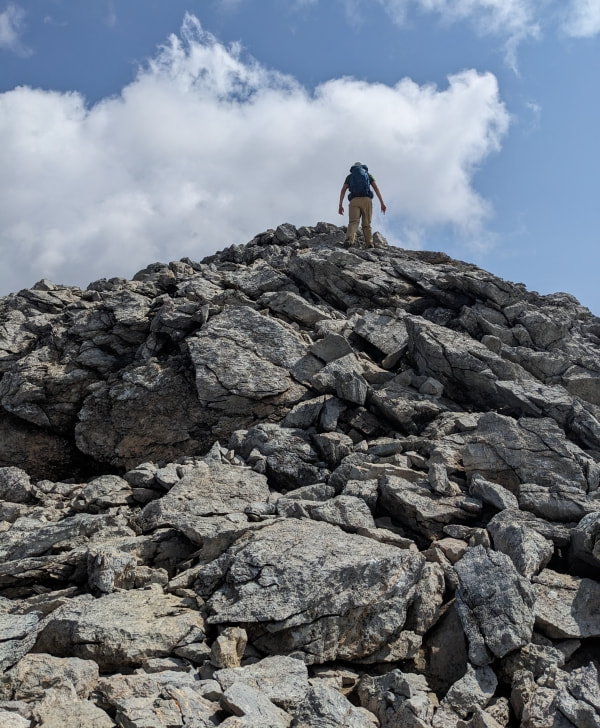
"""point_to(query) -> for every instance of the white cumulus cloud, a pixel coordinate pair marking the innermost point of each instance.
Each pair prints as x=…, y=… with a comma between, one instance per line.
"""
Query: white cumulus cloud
x=207, y=148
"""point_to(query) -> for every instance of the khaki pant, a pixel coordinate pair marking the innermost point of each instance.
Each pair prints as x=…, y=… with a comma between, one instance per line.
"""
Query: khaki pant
x=360, y=208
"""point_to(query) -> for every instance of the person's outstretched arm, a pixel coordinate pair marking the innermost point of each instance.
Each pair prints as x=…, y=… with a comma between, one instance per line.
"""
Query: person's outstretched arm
x=379, y=197
x=345, y=188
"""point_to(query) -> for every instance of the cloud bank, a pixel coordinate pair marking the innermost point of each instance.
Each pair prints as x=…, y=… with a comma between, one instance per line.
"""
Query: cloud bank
x=206, y=148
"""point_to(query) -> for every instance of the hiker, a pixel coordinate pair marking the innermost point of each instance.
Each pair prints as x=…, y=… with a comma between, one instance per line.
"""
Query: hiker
x=360, y=202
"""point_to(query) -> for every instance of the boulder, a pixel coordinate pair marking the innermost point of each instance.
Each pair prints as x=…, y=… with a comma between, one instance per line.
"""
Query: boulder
x=283, y=680
x=566, y=606
x=121, y=629
x=324, y=705
x=321, y=592
x=495, y=604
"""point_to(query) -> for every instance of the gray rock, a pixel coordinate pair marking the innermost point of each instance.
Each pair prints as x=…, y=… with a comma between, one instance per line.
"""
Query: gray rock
x=13, y=720
x=206, y=490
x=255, y=708
x=508, y=519
x=283, y=680
x=319, y=492
x=18, y=633
x=492, y=493
x=446, y=649
x=323, y=587
x=108, y=427
x=508, y=452
x=323, y=705
x=41, y=453
x=214, y=534
x=459, y=363
x=34, y=674
x=558, y=700
x=474, y=690
x=495, y=605
x=291, y=460
x=584, y=685
x=538, y=659
x=367, y=490
x=583, y=383
x=333, y=446
x=405, y=408
x=161, y=699
x=120, y=629
x=107, y=491
x=344, y=378
x=331, y=347
x=249, y=282
x=424, y=409
x=62, y=707
x=286, y=233
x=41, y=376
x=439, y=480
x=432, y=387
x=15, y=486
x=529, y=551
x=566, y=606
x=345, y=511
x=426, y=608
x=386, y=332
x=561, y=504
x=294, y=307
x=585, y=542
x=399, y=700
x=307, y=413
x=32, y=537
x=251, y=353
x=422, y=510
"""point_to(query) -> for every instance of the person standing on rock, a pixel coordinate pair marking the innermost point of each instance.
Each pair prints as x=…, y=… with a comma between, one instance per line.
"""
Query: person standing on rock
x=360, y=202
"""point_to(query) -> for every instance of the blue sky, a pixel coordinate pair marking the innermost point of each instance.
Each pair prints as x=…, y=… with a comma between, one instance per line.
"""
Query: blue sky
x=143, y=130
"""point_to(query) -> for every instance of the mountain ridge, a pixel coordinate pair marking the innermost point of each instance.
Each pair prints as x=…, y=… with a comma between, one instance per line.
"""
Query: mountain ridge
x=284, y=484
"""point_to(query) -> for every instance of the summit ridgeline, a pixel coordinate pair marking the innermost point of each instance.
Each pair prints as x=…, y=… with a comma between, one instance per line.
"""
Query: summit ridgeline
x=299, y=485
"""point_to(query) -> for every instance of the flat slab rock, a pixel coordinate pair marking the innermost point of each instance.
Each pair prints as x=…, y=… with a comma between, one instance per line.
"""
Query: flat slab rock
x=566, y=606
x=122, y=629
x=309, y=586
x=207, y=490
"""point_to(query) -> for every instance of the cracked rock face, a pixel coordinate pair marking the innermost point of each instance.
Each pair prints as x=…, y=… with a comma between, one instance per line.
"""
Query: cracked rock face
x=306, y=586
x=298, y=485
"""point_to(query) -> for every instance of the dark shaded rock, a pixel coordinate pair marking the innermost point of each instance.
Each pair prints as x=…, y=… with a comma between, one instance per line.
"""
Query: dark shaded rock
x=495, y=605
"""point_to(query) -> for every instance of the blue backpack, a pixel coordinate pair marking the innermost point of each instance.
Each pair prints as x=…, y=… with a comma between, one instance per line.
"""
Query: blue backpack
x=360, y=184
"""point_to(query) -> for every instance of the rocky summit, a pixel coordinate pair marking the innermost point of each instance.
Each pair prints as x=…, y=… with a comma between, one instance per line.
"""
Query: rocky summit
x=297, y=485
